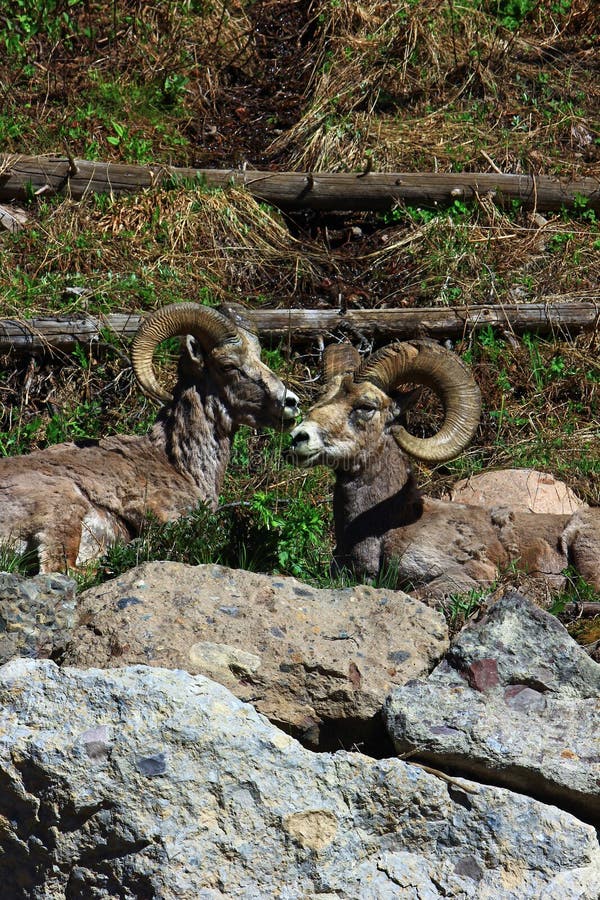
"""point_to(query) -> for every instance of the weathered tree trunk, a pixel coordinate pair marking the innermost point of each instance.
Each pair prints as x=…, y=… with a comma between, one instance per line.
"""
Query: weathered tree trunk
x=305, y=325
x=24, y=176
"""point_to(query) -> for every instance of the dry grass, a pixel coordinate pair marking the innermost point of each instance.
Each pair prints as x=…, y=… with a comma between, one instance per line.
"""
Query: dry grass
x=137, y=251
x=443, y=86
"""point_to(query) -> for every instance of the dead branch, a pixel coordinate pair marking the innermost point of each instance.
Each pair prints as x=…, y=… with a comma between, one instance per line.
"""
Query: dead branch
x=22, y=177
x=302, y=326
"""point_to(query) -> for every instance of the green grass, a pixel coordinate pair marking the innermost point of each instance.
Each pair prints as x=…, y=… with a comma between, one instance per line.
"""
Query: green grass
x=460, y=607
x=576, y=591
x=264, y=534
x=17, y=562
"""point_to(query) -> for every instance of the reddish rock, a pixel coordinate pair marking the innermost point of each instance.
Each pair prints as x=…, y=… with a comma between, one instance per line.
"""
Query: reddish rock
x=523, y=489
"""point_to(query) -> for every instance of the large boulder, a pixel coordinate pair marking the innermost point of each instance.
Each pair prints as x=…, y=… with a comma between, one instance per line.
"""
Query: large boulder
x=515, y=702
x=526, y=490
x=36, y=615
x=144, y=782
x=319, y=663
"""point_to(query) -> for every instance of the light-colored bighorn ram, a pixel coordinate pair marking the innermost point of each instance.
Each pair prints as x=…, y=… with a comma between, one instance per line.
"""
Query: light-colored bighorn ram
x=67, y=503
x=380, y=516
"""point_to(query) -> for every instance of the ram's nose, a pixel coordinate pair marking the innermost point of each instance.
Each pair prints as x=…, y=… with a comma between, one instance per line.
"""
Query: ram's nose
x=299, y=437
x=304, y=444
x=291, y=407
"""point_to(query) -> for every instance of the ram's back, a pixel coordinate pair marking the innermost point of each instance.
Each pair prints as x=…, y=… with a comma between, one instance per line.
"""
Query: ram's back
x=67, y=503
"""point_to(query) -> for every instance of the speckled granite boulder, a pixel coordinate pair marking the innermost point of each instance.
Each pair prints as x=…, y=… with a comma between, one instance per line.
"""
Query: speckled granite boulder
x=517, y=702
x=320, y=663
x=36, y=615
x=148, y=783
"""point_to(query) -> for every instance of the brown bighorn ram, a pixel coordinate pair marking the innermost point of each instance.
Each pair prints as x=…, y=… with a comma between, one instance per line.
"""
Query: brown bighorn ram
x=380, y=516
x=69, y=502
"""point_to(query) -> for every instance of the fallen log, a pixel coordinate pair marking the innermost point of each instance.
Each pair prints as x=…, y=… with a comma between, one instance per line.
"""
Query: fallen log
x=583, y=610
x=22, y=177
x=298, y=326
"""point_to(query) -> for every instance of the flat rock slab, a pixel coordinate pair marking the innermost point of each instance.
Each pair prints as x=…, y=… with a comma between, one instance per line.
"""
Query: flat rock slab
x=319, y=663
x=515, y=702
x=145, y=782
x=36, y=615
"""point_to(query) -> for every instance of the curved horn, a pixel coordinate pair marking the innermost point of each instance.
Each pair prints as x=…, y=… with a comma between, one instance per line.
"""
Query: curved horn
x=339, y=359
x=239, y=316
x=209, y=327
x=423, y=362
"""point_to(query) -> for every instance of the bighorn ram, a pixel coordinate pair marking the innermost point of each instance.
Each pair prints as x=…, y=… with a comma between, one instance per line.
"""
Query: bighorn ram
x=68, y=502
x=381, y=517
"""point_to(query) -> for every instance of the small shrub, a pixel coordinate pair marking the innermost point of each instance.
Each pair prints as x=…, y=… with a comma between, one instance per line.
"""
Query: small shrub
x=254, y=535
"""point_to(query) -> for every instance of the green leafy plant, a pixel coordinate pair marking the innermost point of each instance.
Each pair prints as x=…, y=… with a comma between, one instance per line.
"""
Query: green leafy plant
x=25, y=19
x=78, y=423
x=18, y=440
x=132, y=146
x=173, y=89
x=576, y=591
x=259, y=535
x=512, y=13
x=460, y=607
x=302, y=539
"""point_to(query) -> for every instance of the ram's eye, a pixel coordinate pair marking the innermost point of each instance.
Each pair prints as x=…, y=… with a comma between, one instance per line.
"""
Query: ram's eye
x=366, y=410
x=227, y=366
x=366, y=406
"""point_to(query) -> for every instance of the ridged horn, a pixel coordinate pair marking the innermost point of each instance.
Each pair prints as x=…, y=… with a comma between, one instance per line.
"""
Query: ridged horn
x=210, y=328
x=426, y=363
x=239, y=316
x=339, y=359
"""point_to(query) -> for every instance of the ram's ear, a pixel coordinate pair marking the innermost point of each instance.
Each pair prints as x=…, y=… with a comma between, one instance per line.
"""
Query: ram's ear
x=193, y=349
x=191, y=359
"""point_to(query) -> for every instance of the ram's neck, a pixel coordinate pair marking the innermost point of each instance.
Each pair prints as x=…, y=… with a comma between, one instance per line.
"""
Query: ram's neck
x=368, y=503
x=196, y=432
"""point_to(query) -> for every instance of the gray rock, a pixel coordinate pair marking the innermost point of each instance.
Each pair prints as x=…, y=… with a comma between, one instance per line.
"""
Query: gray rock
x=516, y=702
x=143, y=782
x=36, y=615
x=319, y=663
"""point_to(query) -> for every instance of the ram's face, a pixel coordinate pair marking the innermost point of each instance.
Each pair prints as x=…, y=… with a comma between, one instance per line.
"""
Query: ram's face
x=344, y=428
x=220, y=358
x=255, y=395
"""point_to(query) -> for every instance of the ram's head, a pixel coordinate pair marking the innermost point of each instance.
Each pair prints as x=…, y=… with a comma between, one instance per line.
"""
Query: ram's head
x=361, y=403
x=221, y=353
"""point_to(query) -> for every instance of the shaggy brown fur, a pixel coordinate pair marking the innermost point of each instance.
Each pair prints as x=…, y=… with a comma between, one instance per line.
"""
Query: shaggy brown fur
x=69, y=502
x=439, y=547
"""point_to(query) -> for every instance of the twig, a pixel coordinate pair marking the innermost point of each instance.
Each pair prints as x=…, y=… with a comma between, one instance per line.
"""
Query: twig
x=368, y=167
x=491, y=162
x=448, y=778
x=72, y=170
